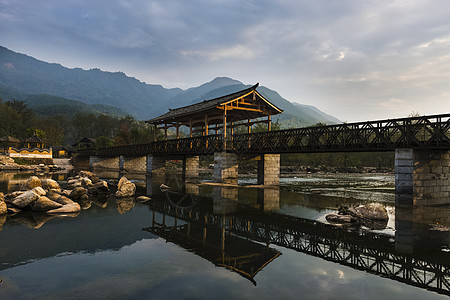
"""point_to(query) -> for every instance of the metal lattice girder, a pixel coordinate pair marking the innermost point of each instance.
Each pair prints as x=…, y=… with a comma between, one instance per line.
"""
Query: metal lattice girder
x=425, y=132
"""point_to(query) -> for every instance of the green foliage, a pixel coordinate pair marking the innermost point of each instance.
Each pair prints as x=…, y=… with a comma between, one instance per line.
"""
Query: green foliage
x=17, y=120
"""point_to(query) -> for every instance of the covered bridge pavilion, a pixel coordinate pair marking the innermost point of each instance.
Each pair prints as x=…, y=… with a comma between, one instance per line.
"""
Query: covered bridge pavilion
x=221, y=115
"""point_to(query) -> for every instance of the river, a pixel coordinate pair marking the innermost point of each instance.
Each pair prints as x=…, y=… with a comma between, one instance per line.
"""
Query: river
x=203, y=240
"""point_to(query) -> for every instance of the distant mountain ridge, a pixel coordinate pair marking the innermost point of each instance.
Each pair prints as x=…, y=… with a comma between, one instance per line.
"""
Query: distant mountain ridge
x=24, y=75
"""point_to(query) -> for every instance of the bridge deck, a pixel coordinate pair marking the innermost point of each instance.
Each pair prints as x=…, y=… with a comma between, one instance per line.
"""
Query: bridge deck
x=425, y=132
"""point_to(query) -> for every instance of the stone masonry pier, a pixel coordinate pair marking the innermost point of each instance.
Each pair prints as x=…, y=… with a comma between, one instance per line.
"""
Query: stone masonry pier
x=422, y=177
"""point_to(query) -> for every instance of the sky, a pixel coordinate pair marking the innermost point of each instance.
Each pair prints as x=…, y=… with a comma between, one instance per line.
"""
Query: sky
x=356, y=60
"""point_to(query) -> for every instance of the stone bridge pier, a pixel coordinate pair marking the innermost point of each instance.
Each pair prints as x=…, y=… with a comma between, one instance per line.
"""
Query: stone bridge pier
x=422, y=177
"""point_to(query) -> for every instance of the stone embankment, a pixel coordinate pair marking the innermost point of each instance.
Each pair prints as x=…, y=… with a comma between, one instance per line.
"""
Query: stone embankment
x=42, y=199
x=8, y=164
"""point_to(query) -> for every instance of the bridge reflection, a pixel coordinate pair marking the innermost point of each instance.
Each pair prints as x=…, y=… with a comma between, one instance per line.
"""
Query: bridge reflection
x=238, y=237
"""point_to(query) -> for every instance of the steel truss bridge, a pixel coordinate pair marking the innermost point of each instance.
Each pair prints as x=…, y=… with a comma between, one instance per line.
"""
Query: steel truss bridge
x=359, y=250
x=425, y=132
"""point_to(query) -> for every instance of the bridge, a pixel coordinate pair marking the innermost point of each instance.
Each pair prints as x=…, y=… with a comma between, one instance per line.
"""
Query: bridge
x=211, y=236
x=421, y=145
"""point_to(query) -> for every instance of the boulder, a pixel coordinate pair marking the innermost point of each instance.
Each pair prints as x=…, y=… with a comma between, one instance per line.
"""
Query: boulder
x=100, y=188
x=52, y=195
x=33, y=182
x=125, y=188
x=340, y=219
x=164, y=188
x=77, y=193
x=39, y=191
x=86, y=182
x=68, y=208
x=90, y=175
x=3, y=208
x=13, y=210
x=45, y=204
x=143, y=199
x=49, y=184
x=64, y=200
x=25, y=199
x=372, y=211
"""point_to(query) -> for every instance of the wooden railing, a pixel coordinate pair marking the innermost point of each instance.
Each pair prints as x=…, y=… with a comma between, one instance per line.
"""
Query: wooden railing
x=425, y=132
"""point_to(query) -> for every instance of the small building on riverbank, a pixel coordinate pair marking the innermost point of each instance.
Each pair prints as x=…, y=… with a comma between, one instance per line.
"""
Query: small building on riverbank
x=8, y=141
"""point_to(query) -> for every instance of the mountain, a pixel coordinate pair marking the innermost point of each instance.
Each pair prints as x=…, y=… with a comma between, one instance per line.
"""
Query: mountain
x=48, y=105
x=37, y=82
x=31, y=76
x=294, y=115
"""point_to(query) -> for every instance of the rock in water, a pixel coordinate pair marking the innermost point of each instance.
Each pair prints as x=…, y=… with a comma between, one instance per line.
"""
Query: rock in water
x=49, y=184
x=372, y=211
x=100, y=188
x=164, y=188
x=77, y=193
x=68, y=208
x=3, y=207
x=45, y=204
x=339, y=219
x=33, y=182
x=39, y=191
x=143, y=199
x=125, y=188
x=64, y=200
x=25, y=199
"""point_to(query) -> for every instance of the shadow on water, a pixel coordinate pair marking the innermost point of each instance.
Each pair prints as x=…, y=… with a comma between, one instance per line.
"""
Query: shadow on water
x=241, y=229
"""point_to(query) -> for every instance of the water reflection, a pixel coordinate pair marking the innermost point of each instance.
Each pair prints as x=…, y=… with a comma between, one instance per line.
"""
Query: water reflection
x=241, y=229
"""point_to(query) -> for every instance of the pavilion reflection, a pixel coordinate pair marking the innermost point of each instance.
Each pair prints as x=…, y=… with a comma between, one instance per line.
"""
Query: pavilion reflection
x=216, y=244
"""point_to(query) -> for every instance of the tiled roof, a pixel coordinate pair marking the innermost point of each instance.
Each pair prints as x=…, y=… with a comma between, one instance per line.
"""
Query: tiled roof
x=202, y=106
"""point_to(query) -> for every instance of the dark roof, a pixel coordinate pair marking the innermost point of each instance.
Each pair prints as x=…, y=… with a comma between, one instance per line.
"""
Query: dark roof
x=207, y=105
x=10, y=139
x=34, y=139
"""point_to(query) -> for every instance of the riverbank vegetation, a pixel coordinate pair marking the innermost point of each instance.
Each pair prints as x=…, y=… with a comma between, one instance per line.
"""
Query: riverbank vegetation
x=19, y=121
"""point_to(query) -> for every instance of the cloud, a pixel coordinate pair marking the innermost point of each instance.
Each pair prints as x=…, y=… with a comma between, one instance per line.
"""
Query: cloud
x=361, y=54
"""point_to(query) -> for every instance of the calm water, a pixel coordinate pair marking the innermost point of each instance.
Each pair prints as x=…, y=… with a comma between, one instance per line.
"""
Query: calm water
x=206, y=241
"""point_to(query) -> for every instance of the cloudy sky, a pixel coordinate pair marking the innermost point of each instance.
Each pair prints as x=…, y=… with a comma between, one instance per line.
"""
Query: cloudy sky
x=357, y=60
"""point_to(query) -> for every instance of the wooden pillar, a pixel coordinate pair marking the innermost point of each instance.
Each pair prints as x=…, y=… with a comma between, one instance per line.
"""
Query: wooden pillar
x=155, y=130
x=249, y=127
x=206, y=129
x=232, y=130
x=269, y=123
x=225, y=128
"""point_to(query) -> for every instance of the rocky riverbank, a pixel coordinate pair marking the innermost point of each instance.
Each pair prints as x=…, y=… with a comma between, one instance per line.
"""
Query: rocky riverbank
x=9, y=164
x=42, y=199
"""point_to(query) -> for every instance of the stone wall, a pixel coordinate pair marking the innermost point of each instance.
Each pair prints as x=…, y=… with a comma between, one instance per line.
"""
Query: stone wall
x=190, y=167
x=110, y=163
x=156, y=165
x=422, y=177
x=226, y=167
x=134, y=164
